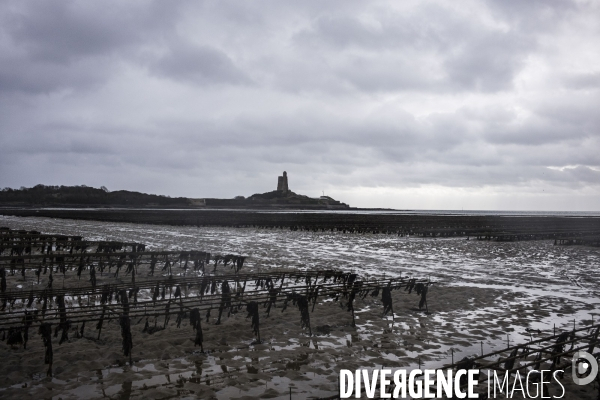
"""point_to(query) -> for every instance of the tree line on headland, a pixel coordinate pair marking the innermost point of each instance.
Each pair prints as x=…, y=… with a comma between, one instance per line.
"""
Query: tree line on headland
x=84, y=195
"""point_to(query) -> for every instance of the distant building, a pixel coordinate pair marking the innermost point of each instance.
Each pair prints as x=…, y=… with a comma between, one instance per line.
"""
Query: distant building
x=282, y=183
x=198, y=202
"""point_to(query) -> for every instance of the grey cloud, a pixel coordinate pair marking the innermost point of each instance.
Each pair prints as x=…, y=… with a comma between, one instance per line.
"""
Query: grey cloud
x=556, y=120
x=534, y=133
x=343, y=31
x=387, y=73
x=18, y=74
x=199, y=64
x=397, y=52
x=217, y=98
x=587, y=81
x=488, y=63
x=61, y=143
x=580, y=174
x=373, y=30
x=575, y=112
x=62, y=31
x=73, y=44
x=534, y=14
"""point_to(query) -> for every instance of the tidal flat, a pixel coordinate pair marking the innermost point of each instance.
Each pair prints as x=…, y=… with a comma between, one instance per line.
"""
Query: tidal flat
x=484, y=295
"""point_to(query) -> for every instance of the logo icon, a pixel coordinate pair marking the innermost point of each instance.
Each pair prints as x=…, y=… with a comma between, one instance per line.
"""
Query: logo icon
x=584, y=368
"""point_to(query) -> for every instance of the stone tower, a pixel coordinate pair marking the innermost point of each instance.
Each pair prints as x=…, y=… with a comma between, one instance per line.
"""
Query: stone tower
x=282, y=183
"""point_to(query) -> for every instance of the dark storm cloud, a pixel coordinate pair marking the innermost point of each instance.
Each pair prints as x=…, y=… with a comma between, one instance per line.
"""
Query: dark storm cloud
x=216, y=98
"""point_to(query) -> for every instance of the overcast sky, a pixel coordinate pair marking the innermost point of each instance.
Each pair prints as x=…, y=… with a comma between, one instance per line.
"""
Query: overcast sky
x=401, y=104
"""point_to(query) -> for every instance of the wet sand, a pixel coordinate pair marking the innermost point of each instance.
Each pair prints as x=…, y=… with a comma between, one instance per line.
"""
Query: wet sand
x=484, y=291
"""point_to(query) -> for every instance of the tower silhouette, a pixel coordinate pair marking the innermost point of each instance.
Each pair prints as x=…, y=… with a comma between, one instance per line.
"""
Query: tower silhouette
x=282, y=183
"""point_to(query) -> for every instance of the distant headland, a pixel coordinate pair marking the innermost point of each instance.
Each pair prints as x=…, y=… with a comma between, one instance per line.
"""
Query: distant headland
x=283, y=197
x=85, y=196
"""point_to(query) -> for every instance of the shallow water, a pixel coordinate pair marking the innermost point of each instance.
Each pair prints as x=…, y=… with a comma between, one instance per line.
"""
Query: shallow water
x=518, y=266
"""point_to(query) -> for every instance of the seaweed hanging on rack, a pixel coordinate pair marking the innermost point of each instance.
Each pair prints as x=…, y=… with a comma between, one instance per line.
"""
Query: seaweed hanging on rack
x=240, y=290
x=14, y=337
x=204, y=283
x=386, y=299
x=559, y=347
x=2, y=280
x=82, y=329
x=252, y=309
x=99, y=303
x=510, y=363
x=27, y=321
x=134, y=293
x=46, y=332
x=100, y=322
x=423, y=293
x=64, y=327
x=167, y=266
x=271, y=300
x=302, y=303
x=61, y=265
x=80, y=267
x=105, y=294
x=129, y=268
x=356, y=287
x=126, y=335
x=153, y=262
x=124, y=301
x=167, y=313
x=156, y=293
x=38, y=272
x=538, y=360
x=30, y=299
x=239, y=263
x=225, y=299
x=184, y=256
x=216, y=260
x=410, y=285
x=313, y=295
x=44, y=303
x=197, y=265
x=196, y=323
x=269, y=283
x=180, y=316
x=64, y=324
x=422, y=290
